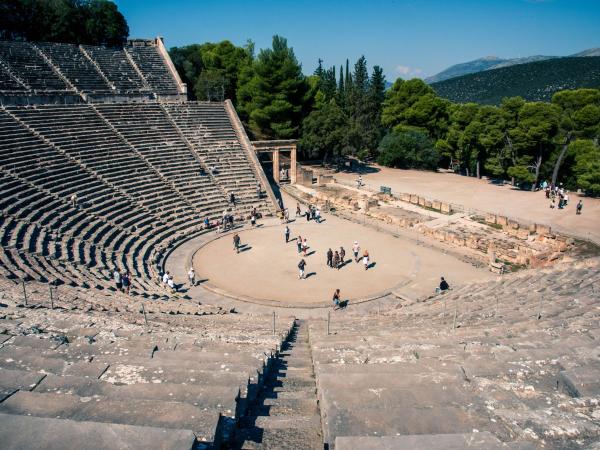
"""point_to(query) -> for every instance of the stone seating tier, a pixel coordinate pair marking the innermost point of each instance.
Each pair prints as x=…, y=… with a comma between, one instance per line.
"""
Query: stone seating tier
x=25, y=62
x=94, y=372
x=75, y=66
x=153, y=68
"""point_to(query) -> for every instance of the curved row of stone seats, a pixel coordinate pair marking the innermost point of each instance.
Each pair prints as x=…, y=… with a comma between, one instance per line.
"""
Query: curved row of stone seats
x=79, y=132
x=106, y=217
x=117, y=68
x=91, y=240
x=148, y=130
x=208, y=128
x=75, y=66
x=151, y=64
x=105, y=369
x=8, y=82
x=25, y=62
x=527, y=373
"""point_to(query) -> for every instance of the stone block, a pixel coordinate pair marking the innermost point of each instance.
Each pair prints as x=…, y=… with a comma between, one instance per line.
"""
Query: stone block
x=428, y=204
x=405, y=198
x=325, y=179
x=474, y=441
x=421, y=201
x=543, y=229
x=513, y=224
x=501, y=220
x=446, y=208
x=490, y=218
x=414, y=199
x=437, y=205
x=18, y=432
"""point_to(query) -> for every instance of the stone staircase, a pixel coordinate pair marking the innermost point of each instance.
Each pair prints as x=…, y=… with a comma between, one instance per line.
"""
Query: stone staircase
x=285, y=414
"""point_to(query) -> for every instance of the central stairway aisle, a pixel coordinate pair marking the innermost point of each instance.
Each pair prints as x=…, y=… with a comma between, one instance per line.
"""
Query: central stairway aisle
x=285, y=415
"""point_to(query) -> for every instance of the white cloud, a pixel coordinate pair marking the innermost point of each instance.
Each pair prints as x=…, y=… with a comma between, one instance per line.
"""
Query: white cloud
x=409, y=72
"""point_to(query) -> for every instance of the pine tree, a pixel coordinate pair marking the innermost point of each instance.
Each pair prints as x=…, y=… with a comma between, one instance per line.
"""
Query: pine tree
x=341, y=91
x=272, y=92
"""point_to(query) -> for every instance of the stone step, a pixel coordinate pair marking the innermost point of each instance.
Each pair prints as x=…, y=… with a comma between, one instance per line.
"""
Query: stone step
x=218, y=397
x=127, y=412
x=476, y=441
x=36, y=433
x=282, y=407
x=19, y=379
x=393, y=420
x=255, y=438
x=282, y=422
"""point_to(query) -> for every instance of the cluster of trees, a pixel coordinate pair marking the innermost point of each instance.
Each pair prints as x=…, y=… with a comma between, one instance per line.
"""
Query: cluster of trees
x=347, y=111
x=93, y=22
x=523, y=141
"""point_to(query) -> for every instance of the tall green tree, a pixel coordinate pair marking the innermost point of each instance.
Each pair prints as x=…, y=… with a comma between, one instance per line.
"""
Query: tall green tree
x=399, y=98
x=587, y=165
x=538, y=125
x=94, y=22
x=580, y=118
x=272, y=93
x=325, y=132
x=408, y=150
x=211, y=70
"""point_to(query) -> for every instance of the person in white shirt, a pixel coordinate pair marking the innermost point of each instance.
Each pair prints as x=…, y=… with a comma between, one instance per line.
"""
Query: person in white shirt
x=166, y=277
x=192, y=276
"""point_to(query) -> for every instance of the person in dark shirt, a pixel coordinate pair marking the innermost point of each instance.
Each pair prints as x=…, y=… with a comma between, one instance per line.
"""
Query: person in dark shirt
x=444, y=285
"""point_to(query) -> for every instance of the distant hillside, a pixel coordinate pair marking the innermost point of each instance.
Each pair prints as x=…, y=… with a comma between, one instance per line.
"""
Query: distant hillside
x=493, y=62
x=589, y=52
x=535, y=81
x=458, y=70
x=527, y=59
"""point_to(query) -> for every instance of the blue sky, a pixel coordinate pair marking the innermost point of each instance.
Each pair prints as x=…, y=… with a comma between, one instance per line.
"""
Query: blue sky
x=406, y=37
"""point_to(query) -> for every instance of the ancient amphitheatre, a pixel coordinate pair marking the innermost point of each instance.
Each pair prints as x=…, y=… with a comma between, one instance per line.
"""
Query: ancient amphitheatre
x=251, y=356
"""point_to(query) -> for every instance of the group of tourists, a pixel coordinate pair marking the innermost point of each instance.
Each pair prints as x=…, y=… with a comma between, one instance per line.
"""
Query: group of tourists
x=122, y=280
x=336, y=259
x=167, y=280
x=311, y=213
x=559, y=197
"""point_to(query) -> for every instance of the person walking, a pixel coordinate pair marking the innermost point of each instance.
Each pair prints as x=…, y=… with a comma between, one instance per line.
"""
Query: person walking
x=192, y=277
x=74, y=200
x=287, y=234
x=336, y=260
x=126, y=282
x=356, y=250
x=166, y=277
x=301, y=267
x=236, y=242
x=318, y=215
x=298, y=211
x=171, y=285
x=336, y=299
x=366, y=259
x=304, y=246
x=329, y=258
x=579, y=207
x=342, y=256
x=299, y=243
x=232, y=199
x=118, y=279
x=253, y=219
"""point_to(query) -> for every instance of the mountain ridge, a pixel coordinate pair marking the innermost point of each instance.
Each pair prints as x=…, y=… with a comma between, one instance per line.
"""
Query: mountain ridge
x=534, y=81
x=487, y=63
